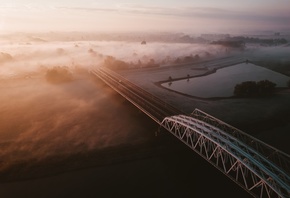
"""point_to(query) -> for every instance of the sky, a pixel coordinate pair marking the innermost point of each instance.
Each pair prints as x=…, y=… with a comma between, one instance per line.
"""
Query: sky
x=207, y=16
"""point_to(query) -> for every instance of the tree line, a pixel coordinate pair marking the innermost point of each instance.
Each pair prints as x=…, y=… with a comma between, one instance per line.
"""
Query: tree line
x=254, y=89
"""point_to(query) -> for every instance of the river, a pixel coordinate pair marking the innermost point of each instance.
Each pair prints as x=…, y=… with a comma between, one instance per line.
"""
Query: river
x=223, y=81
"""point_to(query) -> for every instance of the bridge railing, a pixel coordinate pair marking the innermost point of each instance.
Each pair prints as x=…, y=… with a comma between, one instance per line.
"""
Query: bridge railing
x=213, y=139
x=151, y=105
x=170, y=109
x=243, y=164
x=280, y=158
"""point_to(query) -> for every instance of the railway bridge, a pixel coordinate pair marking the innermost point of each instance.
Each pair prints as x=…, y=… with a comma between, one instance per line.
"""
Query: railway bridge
x=260, y=169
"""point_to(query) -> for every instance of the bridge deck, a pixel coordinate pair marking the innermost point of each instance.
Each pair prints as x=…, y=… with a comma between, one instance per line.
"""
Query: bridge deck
x=154, y=107
x=265, y=171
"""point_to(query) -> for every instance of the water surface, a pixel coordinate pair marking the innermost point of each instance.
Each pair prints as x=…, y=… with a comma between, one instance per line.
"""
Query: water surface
x=223, y=81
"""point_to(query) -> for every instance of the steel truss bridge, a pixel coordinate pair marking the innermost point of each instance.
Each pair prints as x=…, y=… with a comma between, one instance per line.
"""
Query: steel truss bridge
x=260, y=169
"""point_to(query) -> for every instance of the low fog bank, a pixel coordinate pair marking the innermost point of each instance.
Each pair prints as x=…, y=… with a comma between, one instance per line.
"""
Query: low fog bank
x=20, y=59
x=23, y=53
x=42, y=116
x=23, y=59
x=40, y=120
x=275, y=58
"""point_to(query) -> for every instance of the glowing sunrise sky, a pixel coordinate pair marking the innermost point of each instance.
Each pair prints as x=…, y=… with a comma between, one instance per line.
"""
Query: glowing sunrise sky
x=156, y=15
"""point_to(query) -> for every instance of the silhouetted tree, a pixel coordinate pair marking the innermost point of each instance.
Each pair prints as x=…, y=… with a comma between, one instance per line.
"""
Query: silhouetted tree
x=60, y=51
x=254, y=89
x=139, y=64
x=113, y=63
x=5, y=57
x=188, y=58
x=177, y=60
x=246, y=89
x=265, y=87
x=58, y=75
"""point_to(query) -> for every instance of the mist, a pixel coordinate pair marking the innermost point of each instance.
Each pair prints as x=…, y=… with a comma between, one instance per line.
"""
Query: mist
x=39, y=119
x=24, y=58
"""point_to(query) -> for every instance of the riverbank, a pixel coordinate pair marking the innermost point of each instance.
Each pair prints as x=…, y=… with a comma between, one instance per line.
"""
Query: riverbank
x=264, y=118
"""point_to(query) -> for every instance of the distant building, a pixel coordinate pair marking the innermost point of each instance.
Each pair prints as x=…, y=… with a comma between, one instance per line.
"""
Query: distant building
x=277, y=33
x=143, y=43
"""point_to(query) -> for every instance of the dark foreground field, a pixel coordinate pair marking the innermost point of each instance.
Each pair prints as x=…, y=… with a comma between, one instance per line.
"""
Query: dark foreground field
x=159, y=168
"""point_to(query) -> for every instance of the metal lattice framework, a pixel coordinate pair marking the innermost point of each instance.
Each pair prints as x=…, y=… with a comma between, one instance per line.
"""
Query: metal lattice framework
x=260, y=169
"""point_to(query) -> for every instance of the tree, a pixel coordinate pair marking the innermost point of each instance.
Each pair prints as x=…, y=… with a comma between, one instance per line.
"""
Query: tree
x=113, y=63
x=246, y=89
x=5, y=57
x=265, y=87
x=254, y=89
x=58, y=75
x=139, y=64
x=177, y=60
x=196, y=57
x=152, y=63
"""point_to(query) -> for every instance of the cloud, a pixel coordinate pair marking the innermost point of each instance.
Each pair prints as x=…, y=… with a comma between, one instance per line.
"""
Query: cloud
x=123, y=16
x=190, y=12
x=88, y=9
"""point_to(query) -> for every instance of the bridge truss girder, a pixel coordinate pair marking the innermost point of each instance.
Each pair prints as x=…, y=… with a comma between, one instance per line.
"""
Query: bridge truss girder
x=236, y=160
x=257, y=167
